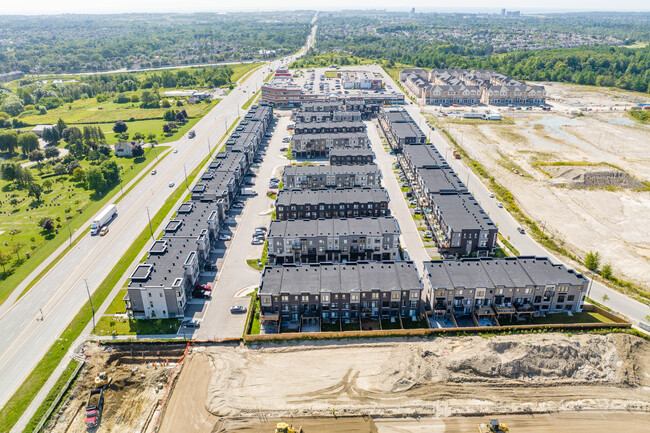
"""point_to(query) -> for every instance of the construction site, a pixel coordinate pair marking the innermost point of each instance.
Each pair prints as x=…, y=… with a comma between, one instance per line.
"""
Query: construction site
x=445, y=384
x=580, y=171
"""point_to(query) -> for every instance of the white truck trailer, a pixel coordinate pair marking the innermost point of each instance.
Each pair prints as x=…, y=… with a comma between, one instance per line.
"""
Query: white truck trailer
x=104, y=217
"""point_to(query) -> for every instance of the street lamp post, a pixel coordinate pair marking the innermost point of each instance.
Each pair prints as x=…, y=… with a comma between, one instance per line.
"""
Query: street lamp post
x=150, y=228
x=69, y=232
x=91, y=302
x=591, y=283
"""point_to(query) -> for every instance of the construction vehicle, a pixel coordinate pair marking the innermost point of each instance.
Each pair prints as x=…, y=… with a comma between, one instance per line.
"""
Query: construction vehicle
x=94, y=408
x=283, y=427
x=102, y=380
x=493, y=427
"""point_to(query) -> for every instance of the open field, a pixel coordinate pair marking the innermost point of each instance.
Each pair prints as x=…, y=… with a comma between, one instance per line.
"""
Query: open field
x=65, y=194
x=584, y=179
x=377, y=385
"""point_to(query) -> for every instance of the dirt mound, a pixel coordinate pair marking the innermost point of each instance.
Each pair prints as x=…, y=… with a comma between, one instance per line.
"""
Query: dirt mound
x=591, y=176
x=441, y=377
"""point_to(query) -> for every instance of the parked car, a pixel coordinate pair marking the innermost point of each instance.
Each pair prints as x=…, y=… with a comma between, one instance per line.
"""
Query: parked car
x=428, y=234
x=205, y=294
x=286, y=139
x=521, y=230
x=249, y=183
x=274, y=179
x=203, y=286
x=268, y=135
x=283, y=149
x=103, y=231
x=262, y=228
x=235, y=309
x=256, y=241
x=189, y=323
x=225, y=237
x=238, y=205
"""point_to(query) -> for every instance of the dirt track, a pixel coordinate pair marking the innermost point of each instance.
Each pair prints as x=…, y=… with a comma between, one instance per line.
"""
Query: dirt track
x=388, y=386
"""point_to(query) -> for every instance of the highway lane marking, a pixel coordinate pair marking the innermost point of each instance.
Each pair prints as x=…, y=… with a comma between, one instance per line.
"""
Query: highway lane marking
x=176, y=164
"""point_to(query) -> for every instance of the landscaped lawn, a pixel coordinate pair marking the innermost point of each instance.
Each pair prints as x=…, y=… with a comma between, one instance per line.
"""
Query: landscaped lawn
x=110, y=326
x=65, y=194
x=387, y=324
x=410, y=324
x=117, y=304
x=583, y=317
x=330, y=327
x=352, y=326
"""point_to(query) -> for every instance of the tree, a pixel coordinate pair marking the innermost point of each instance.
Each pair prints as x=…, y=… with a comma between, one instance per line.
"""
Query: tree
x=606, y=271
x=47, y=184
x=79, y=174
x=137, y=151
x=166, y=104
x=36, y=156
x=111, y=172
x=15, y=248
x=12, y=105
x=95, y=179
x=179, y=118
x=8, y=141
x=169, y=115
x=60, y=170
x=51, y=135
x=35, y=190
x=46, y=224
x=120, y=127
x=4, y=260
x=592, y=261
x=135, y=98
x=27, y=141
x=61, y=126
x=151, y=137
x=51, y=152
x=9, y=171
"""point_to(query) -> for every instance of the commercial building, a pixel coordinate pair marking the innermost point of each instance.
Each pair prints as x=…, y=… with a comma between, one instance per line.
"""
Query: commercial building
x=399, y=127
x=351, y=155
x=331, y=203
x=295, y=296
x=330, y=176
x=333, y=240
x=314, y=145
x=361, y=80
x=506, y=287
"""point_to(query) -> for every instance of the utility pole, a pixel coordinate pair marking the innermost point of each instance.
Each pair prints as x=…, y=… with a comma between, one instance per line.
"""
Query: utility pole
x=69, y=232
x=150, y=228
x=91, y=302
x=209, y=150
x=185, y=171
x=591, y=283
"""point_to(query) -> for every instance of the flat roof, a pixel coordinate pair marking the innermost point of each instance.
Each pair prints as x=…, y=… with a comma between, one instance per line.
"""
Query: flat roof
x=340, y=278
x=462, y=212
x=370, y=226
x=313, y=170
x=441, y=180
x=331, y=196
x=508, y=272
x=424, y=155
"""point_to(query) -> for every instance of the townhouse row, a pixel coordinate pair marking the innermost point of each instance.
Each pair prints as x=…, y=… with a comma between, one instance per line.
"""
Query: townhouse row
x=462, y=87
x=491, y=288
x=331, y=176
x=162, y=285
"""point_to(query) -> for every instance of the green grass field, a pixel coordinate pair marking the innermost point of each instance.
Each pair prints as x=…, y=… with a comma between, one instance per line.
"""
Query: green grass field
x=111, y=326
x=64, y=195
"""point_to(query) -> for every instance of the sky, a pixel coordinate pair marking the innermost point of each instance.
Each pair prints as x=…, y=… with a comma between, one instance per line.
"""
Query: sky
x=34, y=7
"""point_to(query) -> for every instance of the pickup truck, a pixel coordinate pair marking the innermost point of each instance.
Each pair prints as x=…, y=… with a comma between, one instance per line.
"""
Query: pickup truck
x=456, y=154
x=94, y=408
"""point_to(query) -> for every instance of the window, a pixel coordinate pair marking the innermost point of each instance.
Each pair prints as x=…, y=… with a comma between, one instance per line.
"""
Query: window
x=375, y=295
x=325, y=297
x=414, y=295
x=355, y=297
x=394, y=295
x=570, y=298
x=285, y=298
x=305, y=298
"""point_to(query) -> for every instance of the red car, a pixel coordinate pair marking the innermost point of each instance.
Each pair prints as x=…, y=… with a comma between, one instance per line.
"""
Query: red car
x=203, y=286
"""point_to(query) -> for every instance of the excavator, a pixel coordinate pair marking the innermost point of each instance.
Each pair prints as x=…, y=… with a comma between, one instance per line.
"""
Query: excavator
x=102, y=380
x=493, y=427
x=283, y=427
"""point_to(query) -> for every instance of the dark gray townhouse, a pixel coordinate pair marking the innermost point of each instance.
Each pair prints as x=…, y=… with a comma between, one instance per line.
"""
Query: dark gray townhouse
x=328, y=126
x=331, y=203
x=313, y=145
x=346, y=116
x=462, y=226
x=351, y=155
x=399, y=127
x=160, y=287
x=330, y=176
x=417, y=156
x=316, y=111
x=340, y=293
x=333, y=240
x=511, y=286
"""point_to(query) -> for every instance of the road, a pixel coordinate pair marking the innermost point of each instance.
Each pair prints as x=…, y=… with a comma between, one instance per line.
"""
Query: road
x=526, y=245
x=24, y=338
x=410, y=238
x=234, y=274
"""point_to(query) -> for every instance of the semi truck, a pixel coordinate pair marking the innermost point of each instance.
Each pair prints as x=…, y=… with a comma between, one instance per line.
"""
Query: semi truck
x=94, y=408
x=103, y=218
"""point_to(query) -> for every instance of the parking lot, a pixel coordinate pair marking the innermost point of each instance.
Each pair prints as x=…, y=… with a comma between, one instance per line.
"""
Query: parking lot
x=235, y=275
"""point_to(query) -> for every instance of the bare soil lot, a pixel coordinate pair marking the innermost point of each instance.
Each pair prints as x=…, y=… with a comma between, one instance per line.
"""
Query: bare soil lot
x=391, y=386
x=592, y=206
x=139, y=378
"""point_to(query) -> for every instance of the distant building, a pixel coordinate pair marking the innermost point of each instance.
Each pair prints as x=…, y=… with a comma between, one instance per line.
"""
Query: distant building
x=351, y=155
x=38, y=129
x=125, y=149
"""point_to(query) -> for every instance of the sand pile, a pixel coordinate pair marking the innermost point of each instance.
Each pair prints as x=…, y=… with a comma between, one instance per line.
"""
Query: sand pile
x=440, y=377
x=599, y=176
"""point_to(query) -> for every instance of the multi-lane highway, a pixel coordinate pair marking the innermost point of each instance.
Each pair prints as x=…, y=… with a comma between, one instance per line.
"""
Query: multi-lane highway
x=25, y=336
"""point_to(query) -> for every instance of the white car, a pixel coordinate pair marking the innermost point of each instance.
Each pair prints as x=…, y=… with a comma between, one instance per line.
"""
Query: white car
x=499, y=204
x=153, y=172
x=171, y=184
x=175, y=150
x=491, y=194
x=225, y=237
